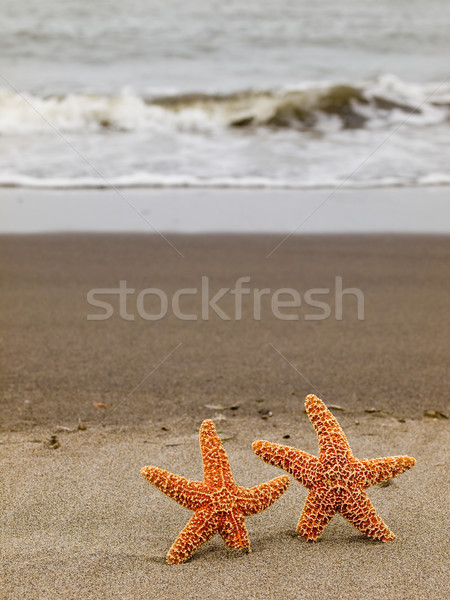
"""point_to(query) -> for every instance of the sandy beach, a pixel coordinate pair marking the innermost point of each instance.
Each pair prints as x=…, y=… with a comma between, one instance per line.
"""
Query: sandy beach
x=78, y=521
x=211, y=211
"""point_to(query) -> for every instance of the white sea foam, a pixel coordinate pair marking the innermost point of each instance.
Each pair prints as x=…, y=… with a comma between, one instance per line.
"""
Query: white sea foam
x=24, y=114
x=377, y=103
x=147, y=180
x=375, y=133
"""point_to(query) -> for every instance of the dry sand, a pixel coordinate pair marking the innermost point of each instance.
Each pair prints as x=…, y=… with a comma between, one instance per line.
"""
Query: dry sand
x=78, y=521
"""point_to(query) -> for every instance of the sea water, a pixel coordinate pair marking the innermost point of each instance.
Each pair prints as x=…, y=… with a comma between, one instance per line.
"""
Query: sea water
x=261, y=93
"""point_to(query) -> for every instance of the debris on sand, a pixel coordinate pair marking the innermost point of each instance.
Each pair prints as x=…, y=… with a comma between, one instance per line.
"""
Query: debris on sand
x=100, y=404
x=53, y=442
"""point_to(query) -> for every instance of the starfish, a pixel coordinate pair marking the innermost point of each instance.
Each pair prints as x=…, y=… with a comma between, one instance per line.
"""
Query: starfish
x=336, y=480
x=219, y=504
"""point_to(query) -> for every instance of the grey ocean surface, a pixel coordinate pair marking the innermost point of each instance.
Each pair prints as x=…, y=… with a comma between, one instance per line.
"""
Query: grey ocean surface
x=277, y=94
x=59, y=47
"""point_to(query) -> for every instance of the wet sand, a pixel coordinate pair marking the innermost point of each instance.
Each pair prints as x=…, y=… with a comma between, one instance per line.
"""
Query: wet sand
x=78, y=521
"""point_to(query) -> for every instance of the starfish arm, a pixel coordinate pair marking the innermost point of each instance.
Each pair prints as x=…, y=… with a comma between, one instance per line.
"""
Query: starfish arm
x=216, y=466
x=256, y=499
x=378, y=470
x=202, y=526
x=332, y=440
x=190, y=494
x=358, y=509
x=233, y=530
x=315, y=516
x=300, y=465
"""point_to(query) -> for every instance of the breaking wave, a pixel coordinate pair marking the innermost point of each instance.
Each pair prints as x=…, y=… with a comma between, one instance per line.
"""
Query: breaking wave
x=371, y=104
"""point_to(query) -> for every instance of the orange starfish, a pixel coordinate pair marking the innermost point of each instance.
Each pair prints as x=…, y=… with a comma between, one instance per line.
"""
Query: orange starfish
x=219, y=504
x=336, y=480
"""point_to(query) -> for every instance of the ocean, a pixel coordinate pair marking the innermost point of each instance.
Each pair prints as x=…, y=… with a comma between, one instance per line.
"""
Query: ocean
x=270, y=94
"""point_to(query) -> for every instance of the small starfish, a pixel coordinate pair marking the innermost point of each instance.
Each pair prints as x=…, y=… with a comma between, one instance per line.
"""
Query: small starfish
x=219, y=504
x=336, y=480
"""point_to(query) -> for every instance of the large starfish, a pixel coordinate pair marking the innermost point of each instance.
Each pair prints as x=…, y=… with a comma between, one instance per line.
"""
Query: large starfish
x=336, y=480
x=219, y=504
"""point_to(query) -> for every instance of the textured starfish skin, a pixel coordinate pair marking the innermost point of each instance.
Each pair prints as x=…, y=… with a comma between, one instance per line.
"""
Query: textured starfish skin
x=219, y=504
x=336, y=480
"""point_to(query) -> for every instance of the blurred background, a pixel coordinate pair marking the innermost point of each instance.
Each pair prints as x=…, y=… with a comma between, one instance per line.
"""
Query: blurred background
x=263, y=93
